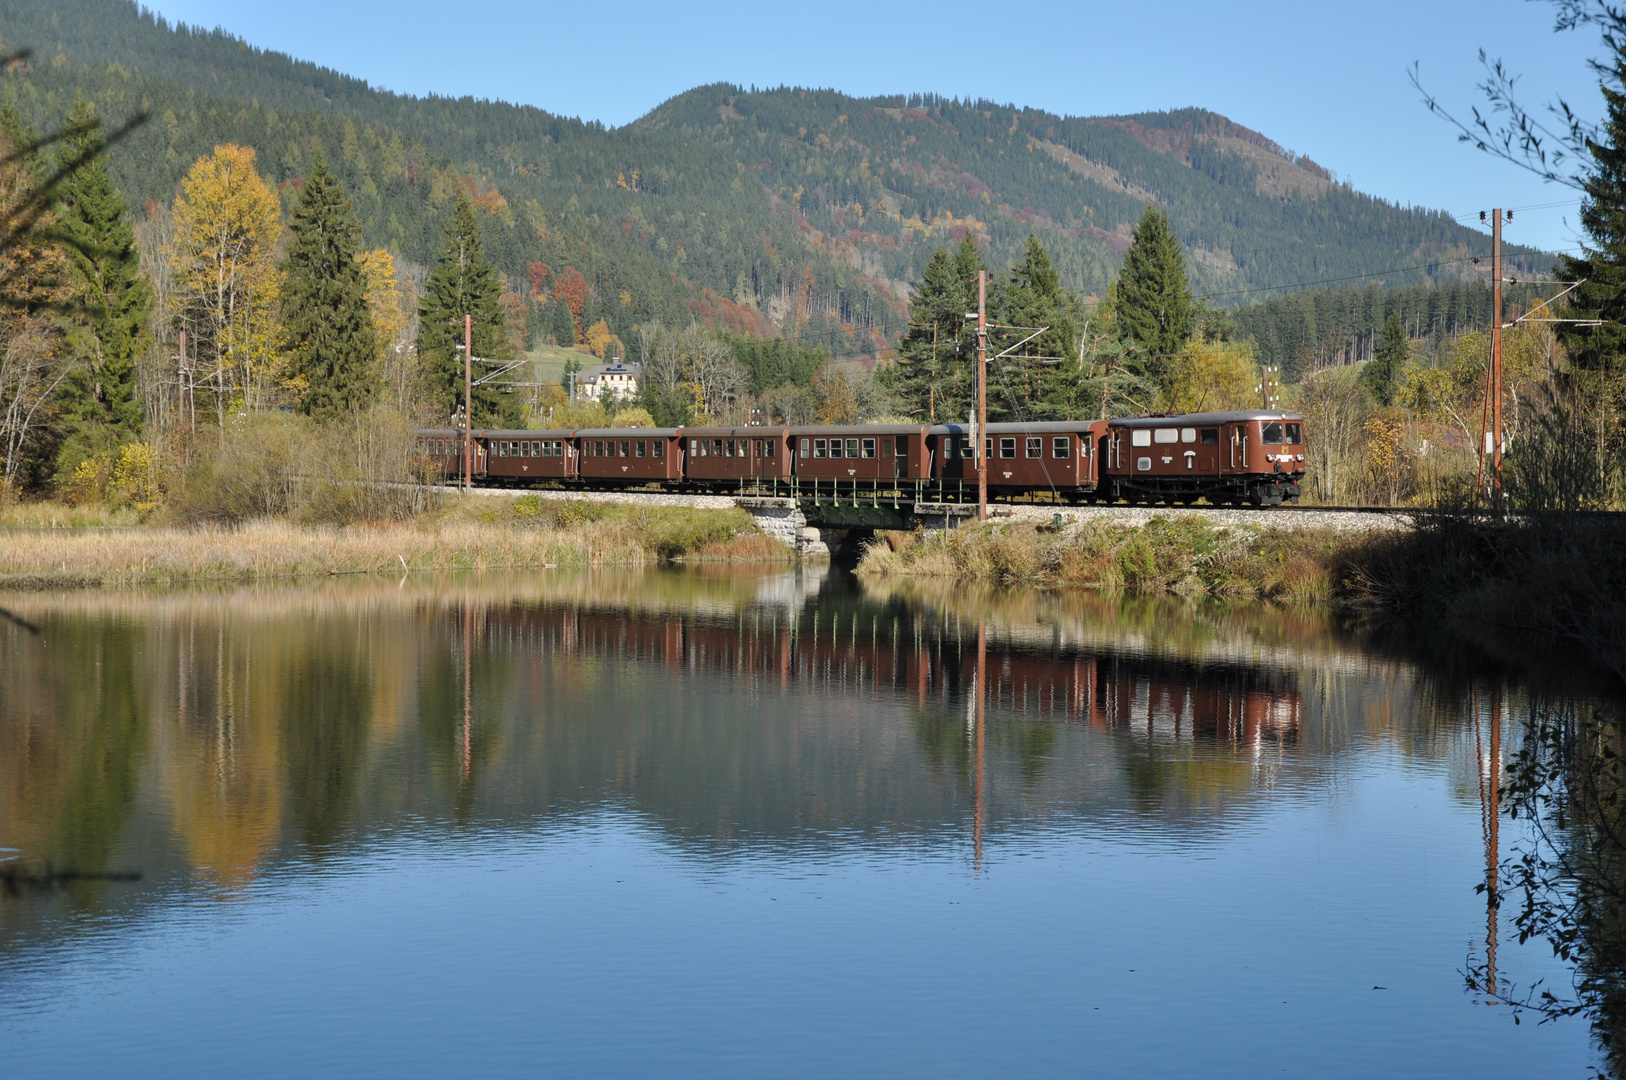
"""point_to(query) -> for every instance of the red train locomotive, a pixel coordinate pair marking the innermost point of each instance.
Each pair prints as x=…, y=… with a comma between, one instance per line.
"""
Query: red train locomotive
x=1232, y=457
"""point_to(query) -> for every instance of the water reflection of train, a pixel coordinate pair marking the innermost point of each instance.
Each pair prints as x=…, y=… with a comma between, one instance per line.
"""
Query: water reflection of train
x=935, y=663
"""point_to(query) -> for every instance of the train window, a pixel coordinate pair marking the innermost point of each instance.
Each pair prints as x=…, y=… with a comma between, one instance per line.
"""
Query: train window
x=948, y=447
x=835, y=448
x=1007, y=448
x=502, y=449
x=886, y=448
x=640, y=449
x=1034, y=447
x=804, y=448
x=657, y=448
x=852, y=448
x=1166, y=435
x=1084, y=446
x=1210, y=436
x=1188, y=434
x=818, y=447
x=1273, y=434
x=869, y=448
x=768, y=445
x=903, y=450
x=987, y=448
x=716, y=448
x=1059, y=448
x=968, y=449
x=1144, y=464
x=1140, y=437
x=1295, y=434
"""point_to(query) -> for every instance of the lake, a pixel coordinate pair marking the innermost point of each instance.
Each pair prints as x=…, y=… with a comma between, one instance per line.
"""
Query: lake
x=741, y=822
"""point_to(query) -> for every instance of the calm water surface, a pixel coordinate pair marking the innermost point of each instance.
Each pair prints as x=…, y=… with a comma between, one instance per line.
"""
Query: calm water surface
x=744, y=824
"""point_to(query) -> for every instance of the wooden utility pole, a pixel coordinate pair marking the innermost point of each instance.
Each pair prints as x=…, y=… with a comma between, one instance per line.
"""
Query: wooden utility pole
x=982, y=395
x=1495, y=388
x=468, y=402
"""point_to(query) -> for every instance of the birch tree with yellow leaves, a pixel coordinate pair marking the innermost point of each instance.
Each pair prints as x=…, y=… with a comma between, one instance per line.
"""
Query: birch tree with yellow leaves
x=223, y=260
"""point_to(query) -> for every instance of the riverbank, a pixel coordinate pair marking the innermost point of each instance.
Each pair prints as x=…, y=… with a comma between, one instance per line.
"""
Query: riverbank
x=1183, y=555
x=1559, y=578
x=518, y=534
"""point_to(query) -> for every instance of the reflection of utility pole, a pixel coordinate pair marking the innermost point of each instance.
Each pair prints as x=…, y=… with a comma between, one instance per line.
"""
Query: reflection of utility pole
x=1490, y=800
x=982, y=695
x=1491, y=411
x=468, y=633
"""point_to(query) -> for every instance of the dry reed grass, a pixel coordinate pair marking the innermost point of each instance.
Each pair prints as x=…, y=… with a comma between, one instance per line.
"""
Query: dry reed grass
x=453, y=541
x=1167, y=556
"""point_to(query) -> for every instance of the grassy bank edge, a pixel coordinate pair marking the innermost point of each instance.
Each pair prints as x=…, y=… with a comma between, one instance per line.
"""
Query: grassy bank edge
x=516, y=535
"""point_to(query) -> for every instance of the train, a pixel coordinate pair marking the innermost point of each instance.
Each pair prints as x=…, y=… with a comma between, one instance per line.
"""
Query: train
x=1235, y=458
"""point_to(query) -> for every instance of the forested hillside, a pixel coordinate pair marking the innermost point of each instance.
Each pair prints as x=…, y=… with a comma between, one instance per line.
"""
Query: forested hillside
x=807, y=213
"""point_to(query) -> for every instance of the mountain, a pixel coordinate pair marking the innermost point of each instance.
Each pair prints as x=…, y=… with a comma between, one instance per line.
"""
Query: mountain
x=792, y=211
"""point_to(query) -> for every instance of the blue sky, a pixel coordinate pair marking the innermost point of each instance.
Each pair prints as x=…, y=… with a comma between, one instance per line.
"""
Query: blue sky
x=1327, y=80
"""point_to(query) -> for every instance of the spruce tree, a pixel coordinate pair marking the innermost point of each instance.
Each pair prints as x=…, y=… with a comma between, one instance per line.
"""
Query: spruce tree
x=1022, y=388
x=1602, y=263
x=563, y=325
x=325, y=317
x=1154, y=309
x=463, y=283
x=933, y=378
x=109, y=301
x=1388, y=359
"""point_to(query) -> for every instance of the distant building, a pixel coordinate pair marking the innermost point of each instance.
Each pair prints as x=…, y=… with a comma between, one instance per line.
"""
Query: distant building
x=605, y=381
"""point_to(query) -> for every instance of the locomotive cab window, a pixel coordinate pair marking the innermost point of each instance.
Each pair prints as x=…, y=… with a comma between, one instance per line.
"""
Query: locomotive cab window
x=1059, y=448
x=1295, y=434
x=1210, y=436
x=1273, y=434
x=1166, y=435
x=1140, y=437
x=1034, y=447
x=1007, y=448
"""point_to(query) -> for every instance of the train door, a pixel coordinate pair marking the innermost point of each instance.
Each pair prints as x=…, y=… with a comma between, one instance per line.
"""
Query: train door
x=1208, y=451
x=1238, y=448
x=900, y=461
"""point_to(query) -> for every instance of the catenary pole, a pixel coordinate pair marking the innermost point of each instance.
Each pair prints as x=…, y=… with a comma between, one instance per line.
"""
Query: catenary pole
x=468, y=402
x=982, y=395
x=1495, y=387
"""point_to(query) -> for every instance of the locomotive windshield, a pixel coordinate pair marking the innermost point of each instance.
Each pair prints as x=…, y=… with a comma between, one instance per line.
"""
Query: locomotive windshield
x=1295, y=434
x=1273, y=434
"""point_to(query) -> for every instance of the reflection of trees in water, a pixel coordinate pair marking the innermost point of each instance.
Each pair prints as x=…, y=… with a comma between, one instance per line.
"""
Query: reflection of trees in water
x=1566, y=880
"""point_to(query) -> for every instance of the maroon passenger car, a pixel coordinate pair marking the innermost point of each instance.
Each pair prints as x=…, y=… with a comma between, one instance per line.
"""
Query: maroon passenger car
x=629, y=455
x=516, y=457
x=725, y=456
x=868, y=452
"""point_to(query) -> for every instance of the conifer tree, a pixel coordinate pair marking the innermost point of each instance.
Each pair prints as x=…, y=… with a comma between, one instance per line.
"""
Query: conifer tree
x=1021, y=387
x=1602, y=263
x=326, y=319
x=108, y=299
x=462, y=282
x=934, y=376
x=1388, y=359
x=1154, y=309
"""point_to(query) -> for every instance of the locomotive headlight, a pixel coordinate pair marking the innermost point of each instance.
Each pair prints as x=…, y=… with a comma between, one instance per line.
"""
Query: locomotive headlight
x=1301, y=457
